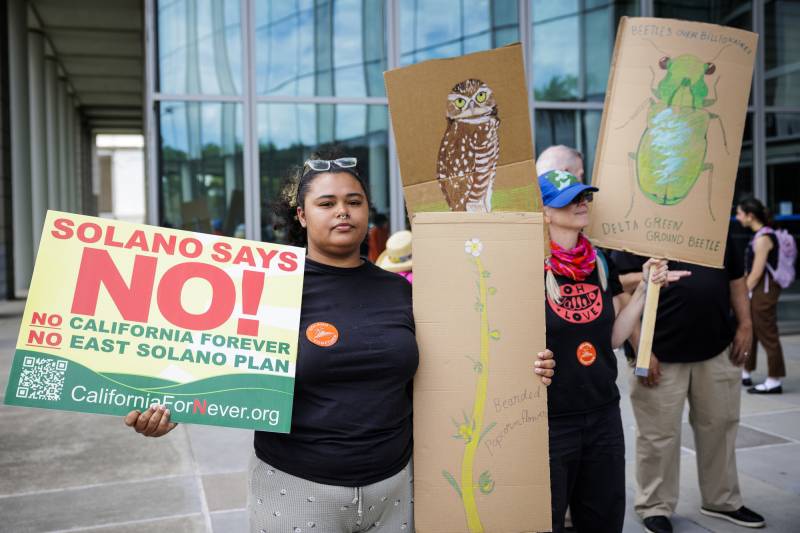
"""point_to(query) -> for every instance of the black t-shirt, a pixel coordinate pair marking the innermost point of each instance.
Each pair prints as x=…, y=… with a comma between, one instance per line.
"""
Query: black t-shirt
x=351, y=422
x=772, y=256
x=695, y=321
x=579, y=335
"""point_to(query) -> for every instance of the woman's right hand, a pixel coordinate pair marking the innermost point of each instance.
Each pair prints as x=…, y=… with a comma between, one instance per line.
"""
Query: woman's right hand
x=655, y=270
x=154, y=422
x=661, y=274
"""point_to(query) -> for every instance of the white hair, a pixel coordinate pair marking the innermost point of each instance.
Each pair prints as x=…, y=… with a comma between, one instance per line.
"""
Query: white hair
x=559, y=157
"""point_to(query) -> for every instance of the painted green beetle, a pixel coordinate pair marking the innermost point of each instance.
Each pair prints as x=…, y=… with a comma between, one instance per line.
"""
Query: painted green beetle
x=672, y=150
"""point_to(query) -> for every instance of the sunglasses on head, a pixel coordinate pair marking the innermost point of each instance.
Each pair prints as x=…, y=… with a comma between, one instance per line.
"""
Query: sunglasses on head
x=585, y=196
x=321, y=165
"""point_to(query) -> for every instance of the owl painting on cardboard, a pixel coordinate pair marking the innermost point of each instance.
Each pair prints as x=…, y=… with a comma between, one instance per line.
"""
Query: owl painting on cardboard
x=470, y=148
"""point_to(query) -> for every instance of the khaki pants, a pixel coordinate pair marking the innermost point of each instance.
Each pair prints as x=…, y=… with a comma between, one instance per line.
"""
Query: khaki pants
x=713, y=390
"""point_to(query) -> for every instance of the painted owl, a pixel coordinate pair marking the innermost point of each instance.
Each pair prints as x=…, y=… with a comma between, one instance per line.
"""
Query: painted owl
x=470, y=148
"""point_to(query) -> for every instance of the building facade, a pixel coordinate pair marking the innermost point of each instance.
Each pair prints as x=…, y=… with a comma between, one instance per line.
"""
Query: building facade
x=231, y=94
x=241, y=91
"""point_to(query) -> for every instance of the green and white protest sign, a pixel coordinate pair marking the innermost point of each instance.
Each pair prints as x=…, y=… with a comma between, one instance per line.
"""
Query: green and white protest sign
x=121, y=316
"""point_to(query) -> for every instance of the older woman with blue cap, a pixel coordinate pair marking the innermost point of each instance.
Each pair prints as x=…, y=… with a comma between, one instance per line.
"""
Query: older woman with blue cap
x=586, y=319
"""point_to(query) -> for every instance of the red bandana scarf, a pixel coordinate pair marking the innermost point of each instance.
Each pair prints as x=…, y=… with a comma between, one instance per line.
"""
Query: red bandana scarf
x=576, y=263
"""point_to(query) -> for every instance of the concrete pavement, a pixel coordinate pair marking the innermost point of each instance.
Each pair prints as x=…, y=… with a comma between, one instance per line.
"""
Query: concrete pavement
x=66, y=472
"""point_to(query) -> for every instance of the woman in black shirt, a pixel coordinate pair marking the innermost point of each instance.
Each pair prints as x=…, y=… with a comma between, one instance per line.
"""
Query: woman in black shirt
x=586, y=320
x=345, y=465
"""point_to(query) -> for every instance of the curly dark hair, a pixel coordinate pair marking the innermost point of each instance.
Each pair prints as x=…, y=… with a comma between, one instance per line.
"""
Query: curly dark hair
x=294, y=190
x=753, y=206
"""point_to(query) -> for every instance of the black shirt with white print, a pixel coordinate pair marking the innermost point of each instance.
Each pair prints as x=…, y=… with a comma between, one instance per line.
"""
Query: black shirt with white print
x=579, y=335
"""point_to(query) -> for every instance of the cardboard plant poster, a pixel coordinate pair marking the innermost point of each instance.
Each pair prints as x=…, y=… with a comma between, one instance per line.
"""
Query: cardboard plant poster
x=481, y=458
x=670, y=138
x=463, y=133
x=120, y=316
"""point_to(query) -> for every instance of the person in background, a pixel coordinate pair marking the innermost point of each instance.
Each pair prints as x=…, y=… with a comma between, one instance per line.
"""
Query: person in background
x=585, y=320
x=560, y=157
x=397, y=256
x=764, y=293
x=697, y=350
x=377, y=235
x=345, y=466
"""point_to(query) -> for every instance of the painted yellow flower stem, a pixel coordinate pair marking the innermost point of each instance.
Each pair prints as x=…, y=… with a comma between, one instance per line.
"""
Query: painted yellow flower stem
x=468, y=461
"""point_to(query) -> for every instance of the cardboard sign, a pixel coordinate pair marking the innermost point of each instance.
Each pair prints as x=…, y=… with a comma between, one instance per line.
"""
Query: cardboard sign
x=480, y=413
x=670, y=138
x=120, y=316
x=463, y=133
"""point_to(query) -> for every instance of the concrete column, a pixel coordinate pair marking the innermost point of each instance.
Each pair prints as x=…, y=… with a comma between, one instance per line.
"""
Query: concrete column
x=77, y=151
x=38, y=134
x=94, y=169
x=20, y=143
x=70, y=153
x=51, y=119
x=63, y=166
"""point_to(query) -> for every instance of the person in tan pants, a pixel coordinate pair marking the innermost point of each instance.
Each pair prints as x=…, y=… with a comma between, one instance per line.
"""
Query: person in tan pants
x=696, y=356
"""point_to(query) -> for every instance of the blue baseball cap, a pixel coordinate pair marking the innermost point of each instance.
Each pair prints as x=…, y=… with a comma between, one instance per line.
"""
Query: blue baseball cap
x=559, y=188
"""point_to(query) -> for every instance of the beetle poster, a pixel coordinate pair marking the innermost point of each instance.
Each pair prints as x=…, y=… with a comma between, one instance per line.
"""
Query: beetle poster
x=670, y=138
x=123, y=316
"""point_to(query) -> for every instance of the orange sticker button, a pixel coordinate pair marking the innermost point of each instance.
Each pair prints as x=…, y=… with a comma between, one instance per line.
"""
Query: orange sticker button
x=587, y=353
x=322, y=334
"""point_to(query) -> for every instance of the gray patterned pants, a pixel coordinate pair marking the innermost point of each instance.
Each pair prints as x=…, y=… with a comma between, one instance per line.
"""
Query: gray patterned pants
x=281, y=503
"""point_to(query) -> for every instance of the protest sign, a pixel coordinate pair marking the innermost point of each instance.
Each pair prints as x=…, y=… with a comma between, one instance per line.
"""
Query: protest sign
x=120, y=316
x=669, y=145
x=480, y=413
x=670, y=138
x=463, y=134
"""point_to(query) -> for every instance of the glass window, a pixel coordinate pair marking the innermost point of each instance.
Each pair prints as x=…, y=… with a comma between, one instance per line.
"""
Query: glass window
x=202, y=184
x=578, y=129
x=199, y=47
x=744, y=178
x=289, y=133
x=448, y=28
x=573, y=41
x=322, y=48
x=735, y=13
x=739, y=235
x=783, y=163
x=783, y=194
x=782, y=52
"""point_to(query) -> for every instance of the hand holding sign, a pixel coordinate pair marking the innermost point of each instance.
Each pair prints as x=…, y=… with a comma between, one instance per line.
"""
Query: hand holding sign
x=545, y=367
x=154, y=422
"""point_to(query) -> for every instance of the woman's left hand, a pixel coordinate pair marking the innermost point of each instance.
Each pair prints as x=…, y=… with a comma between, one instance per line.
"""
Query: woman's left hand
x=544, y=367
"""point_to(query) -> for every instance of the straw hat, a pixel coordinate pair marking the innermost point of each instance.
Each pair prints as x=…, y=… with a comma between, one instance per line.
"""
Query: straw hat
x=397, y=255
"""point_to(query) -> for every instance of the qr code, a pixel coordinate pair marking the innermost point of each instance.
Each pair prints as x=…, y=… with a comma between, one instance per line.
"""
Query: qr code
x=41, y=379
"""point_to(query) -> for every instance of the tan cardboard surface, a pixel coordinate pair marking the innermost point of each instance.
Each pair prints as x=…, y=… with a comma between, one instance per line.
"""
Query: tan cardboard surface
x=419, y=102
x=480, y=322
x=665, y=175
